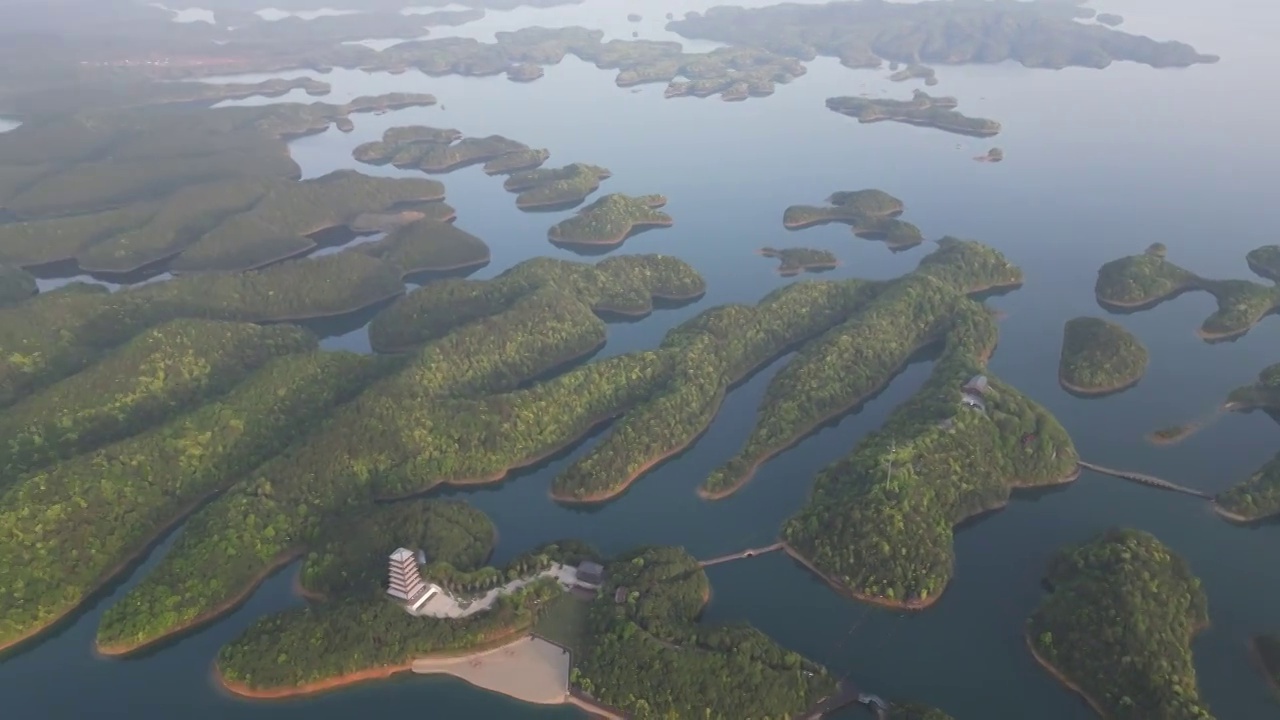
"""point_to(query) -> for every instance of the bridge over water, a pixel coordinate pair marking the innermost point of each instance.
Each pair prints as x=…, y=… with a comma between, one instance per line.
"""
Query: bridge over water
x=1148, y=480
x=742, y=555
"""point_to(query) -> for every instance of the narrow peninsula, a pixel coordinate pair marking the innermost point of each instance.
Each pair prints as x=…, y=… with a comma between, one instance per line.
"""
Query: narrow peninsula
x=1099, y=357
x=1139, y=282
x=1117, y=624
x=922, y=109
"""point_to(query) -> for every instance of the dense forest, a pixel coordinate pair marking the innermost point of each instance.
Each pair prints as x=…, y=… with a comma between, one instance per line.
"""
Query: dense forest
x=610, y=220
x=1099, y=357
x=68, y=528
x=158, y=374
x=649, y=657
x=793, y=261
x=1263, y=394
x=1256, y=498
x=1117, y=624
x=1265, y=262
x=864, y=350
x=428, y=245
x=1146, y=280
x=555, y=187
x=855, y=207
x=879, y=521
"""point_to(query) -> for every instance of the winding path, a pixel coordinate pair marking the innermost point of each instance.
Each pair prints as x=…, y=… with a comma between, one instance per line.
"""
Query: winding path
x=1149, y=480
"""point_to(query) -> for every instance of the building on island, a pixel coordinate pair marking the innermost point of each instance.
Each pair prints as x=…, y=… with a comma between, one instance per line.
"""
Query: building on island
x=590, y=573
x=405, y=582
x=977, y=385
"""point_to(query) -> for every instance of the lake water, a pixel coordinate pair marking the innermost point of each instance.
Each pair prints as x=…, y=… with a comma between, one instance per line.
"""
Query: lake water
x=1098, y=165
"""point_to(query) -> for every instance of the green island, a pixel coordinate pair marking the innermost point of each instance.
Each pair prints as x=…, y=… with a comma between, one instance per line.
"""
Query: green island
x=399, y=144
x=453, y=412
x=279, y=226
x=1258, y=497
x=913, y=71
x=872, y=214
x=633, y=641
x=555, y=188
x=1265, y=262
x=428, y=246
x=1172, y=434
x=373, y=222
x=100, y=510
x=922, y=109
x=865, y=33
x=55, y=334
x=517, y=161
x=16, y=285
x=610, y=220
x=1266, y=650
x=1117, y=624
x=1099, y=357
x=1109, y=19
x=793, y=261
x=994, y=155
x=1139, y=282
x=146, y=381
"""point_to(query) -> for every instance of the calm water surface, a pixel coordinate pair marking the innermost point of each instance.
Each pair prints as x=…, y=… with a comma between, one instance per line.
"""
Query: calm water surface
x=1099, y=164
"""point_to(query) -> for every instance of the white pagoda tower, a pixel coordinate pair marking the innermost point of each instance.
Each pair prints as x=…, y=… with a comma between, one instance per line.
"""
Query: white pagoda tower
x=405, y=581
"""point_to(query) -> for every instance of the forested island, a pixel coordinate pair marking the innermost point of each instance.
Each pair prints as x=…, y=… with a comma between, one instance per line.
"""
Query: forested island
x=1099, y=357
x=872, y=214
x=793, y=261
x=610, y=220
x=1117, y=625
x=866, y=33
x=442, y=150
x=1258, y=497
x=922, y=109
x=1143, y=281
x=555, y=188
x=637, y=645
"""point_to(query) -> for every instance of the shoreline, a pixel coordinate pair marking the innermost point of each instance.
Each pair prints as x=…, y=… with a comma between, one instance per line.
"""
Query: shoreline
x=1256, y=655
x=1097, y=391
x=792, y=442
x=918, y=605
x=1238, y=519
x=574, y=201
x=614, y=240
x=1061, y=676
x=606, y=495
x=359, y=676
x=119, y=650
x=116, y=570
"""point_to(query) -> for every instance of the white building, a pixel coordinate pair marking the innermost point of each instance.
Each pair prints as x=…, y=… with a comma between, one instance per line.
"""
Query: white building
x=405, y=582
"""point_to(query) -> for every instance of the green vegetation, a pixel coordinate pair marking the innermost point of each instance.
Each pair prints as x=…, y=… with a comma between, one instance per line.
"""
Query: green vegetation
x=1262, y=394
x=871, y=214
x=277, y=227
x=428, y=246
x=145, y=382
x=185, y=216
x=922, y=109
x=69, y=528
x=1117, y=626
x=648, y=656
x=555, y=187
x=55, y=334
x=1099, y=357
x=1257, y=498
x=912, y=711
x=863, y=348
x=610, y=220
x=797, y=260
x=880, y=521
x=44, y=242
x=624, y=285
x=1265, y=262
x=400, y=143
x=15, y=285
x=1042, y=35
x=1142, y=281
x=517, y=161
x=439, y=158
x=1267, y=650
